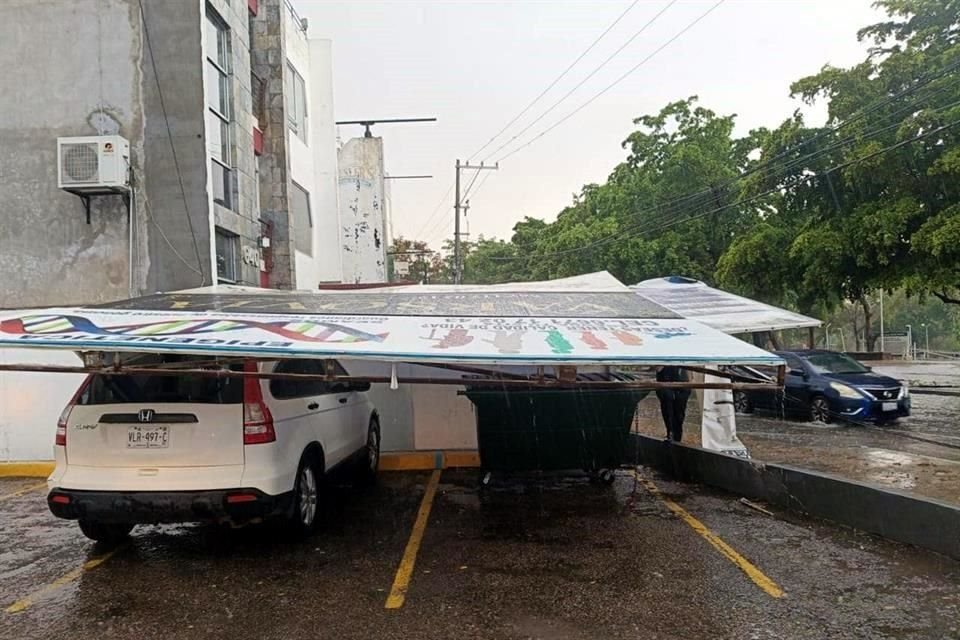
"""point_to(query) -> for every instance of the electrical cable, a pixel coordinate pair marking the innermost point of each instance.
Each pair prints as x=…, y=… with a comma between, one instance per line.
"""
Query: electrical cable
x=173, y=148
x=608, y=87
x=436, y=210
x=568, y=116
x=673, y=204
x=466, y=192
x=594, y=72
x=622, y=233
x=482, y=182
x=556, y=80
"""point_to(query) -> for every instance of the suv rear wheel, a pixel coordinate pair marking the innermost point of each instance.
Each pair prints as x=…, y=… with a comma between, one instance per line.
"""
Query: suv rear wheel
x=368, y=463
x=107, y=533
x=304, y=517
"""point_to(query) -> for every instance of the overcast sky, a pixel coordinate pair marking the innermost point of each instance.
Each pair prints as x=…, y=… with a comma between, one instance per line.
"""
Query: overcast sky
x=476, y=65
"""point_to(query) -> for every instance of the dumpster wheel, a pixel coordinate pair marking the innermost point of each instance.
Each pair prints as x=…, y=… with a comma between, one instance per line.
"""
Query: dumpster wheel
x=602, y=476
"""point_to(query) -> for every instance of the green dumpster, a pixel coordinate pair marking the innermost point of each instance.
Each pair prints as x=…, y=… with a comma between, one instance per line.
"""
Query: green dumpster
x=553, y=429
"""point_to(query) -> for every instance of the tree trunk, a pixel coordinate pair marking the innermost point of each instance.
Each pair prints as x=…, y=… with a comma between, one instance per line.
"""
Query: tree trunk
x=856, y=331
x=868, y=337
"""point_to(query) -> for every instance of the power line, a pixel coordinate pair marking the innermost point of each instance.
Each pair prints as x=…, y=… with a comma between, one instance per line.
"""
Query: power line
x=556, y=80
x=585, y=80
x=480, y=186
x=665, y=207
x=625, y=233
x=173, y=148
x=466, y=192
x=614, y=83
x=436, y=210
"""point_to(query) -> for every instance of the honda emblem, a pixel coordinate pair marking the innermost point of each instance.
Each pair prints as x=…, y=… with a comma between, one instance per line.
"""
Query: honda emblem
x=146, y=415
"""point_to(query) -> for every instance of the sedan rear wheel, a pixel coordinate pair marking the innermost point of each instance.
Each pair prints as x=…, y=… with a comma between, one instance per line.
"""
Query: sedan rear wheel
x=741, y=402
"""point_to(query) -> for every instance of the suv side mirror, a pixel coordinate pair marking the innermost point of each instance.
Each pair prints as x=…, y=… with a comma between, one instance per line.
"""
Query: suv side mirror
x=360, y=387
x=798, y=372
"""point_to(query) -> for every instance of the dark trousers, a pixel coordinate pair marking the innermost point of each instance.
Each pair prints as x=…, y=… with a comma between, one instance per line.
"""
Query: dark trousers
x=673, y=408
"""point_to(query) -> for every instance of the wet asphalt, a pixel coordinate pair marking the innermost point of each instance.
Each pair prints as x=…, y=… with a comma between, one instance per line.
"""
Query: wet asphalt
x=919, y=454
x=527, y=557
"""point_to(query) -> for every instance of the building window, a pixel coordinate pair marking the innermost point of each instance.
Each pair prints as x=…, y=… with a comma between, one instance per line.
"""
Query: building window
x=297, y=103
x=228, y=256
x=302, y=219
x=219, y=107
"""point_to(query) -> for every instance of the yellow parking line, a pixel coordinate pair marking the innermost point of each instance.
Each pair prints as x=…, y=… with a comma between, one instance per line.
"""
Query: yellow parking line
x=401, y=582
x=92, y=563
x=759, y=578
x=14, y=494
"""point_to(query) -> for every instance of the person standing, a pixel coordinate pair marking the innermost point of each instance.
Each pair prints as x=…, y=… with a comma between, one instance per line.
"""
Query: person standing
x=673, y=402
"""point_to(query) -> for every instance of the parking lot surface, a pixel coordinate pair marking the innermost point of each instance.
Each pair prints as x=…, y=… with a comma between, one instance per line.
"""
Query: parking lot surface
x=533, y=557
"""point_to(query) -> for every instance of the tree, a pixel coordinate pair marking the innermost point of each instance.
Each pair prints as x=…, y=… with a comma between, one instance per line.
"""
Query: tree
x=425, y=265
x=633, y=224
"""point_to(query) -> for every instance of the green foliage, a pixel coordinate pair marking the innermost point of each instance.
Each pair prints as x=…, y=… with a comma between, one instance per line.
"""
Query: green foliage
x=813, y=218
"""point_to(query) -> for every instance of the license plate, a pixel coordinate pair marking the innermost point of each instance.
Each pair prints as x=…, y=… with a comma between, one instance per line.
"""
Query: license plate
x=889, y=406
x=157, y=437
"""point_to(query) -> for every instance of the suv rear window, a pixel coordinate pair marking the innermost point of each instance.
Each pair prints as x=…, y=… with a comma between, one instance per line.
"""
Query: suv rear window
x=138, y=389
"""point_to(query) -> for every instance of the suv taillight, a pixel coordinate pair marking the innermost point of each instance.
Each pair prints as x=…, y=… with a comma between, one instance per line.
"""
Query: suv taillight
x=61, y=438
x=257, y=419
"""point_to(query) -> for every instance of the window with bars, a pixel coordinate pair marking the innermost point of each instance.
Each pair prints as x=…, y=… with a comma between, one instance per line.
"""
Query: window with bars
x=219, y=107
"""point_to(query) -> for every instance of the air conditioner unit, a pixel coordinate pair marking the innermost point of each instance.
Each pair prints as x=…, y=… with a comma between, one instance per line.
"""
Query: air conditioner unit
x=93, y=165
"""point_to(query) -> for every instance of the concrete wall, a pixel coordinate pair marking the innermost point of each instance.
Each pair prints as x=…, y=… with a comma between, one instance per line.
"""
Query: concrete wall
x=323, y=134
x=419, y=417
x=301, y=151
x=362, y=212
x=175, y=222
x=52, y=57
x=30, y=403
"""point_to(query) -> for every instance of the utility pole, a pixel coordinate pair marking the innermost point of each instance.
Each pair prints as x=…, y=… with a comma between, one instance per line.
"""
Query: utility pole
x=457, y=206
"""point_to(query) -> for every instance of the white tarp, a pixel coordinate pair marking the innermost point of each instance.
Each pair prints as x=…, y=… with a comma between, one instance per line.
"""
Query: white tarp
x=490, y=340
x=718, y=429
x=719, y=309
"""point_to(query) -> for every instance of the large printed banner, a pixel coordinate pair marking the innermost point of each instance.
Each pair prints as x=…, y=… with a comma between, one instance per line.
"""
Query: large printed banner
x=508, y=340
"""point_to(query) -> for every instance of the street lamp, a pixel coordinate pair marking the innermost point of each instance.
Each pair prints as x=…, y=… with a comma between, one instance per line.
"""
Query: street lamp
x=909, y=342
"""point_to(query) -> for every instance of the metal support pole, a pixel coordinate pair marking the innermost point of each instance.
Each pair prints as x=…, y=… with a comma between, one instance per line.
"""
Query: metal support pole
x=456, y=228
x=881, y=321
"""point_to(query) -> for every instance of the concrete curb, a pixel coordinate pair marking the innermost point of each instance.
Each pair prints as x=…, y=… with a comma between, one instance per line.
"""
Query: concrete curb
x=923, y=522
x=428, y=460
x=26, y=469
x=389, y=461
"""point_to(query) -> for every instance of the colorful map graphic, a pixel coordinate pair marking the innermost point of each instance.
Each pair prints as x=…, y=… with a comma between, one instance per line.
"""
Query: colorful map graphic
x=307, y=331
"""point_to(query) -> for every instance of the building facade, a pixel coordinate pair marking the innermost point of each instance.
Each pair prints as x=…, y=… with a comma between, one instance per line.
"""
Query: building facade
x=227, y=106
x=228, y=110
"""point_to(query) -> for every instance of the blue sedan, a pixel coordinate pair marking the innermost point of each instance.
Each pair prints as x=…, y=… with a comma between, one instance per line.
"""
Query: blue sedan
x=826, y=385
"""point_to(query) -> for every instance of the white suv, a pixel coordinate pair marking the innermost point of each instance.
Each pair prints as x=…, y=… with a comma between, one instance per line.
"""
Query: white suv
x=161, y=448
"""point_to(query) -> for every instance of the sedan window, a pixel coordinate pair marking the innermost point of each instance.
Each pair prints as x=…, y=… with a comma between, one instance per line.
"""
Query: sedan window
x=835, y=363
